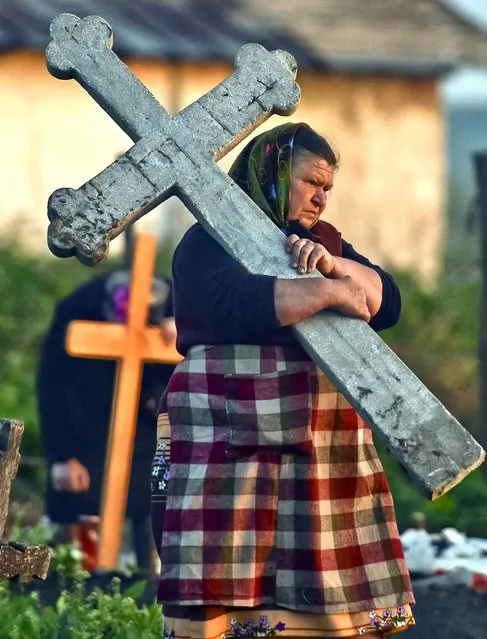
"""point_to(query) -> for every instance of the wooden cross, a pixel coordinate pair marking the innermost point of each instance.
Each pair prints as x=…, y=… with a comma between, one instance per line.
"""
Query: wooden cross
x=131, y=344
x=177, y=156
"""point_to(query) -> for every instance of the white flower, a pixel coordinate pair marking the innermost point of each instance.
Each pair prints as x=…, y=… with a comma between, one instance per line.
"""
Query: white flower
x=155, y=471
x=76, y=554
x=162, y=485
x=372, y=614
x=362, y=631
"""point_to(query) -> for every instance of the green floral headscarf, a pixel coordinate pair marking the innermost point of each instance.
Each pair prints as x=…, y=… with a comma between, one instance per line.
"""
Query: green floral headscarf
x=263, y=170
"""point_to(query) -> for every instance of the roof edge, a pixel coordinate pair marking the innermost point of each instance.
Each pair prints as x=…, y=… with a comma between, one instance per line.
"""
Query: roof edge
x=423, y=68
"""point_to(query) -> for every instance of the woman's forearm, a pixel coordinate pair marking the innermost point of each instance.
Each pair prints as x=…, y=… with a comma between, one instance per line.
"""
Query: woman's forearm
x=295, y=300
x=363, y=275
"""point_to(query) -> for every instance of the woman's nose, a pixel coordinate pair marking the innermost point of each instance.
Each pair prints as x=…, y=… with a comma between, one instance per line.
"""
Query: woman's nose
x=319, y=197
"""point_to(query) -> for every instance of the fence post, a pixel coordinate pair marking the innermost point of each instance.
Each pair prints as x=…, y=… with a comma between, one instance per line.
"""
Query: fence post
x=480, y=161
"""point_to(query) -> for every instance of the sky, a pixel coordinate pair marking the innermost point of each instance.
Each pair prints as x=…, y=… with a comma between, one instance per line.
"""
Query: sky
x=468, y=86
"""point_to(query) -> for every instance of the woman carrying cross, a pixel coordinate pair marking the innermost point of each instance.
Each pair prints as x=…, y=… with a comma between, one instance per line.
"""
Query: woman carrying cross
x=279, y=517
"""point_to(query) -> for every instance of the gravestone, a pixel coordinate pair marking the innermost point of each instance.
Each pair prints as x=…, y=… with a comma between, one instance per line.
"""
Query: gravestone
x=177, y=156
x=16, y=560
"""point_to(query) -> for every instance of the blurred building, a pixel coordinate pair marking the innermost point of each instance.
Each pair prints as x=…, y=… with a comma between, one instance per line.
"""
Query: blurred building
x=369, y=73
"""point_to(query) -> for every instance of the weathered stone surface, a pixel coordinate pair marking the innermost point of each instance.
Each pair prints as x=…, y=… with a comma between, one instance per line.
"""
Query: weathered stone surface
x=16, y=560
x=168, y=151
x=24, y=562
x=10, y=437
x=177, y=156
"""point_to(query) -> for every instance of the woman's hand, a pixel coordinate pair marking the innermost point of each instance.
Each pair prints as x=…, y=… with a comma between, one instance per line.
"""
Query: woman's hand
x=168, y=331
x=308, y=256
x=72, y=476
x=351, y=299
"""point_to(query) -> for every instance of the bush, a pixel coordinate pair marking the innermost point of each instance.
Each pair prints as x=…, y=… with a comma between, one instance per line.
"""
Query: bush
x=29, y=289
x=78, y=615
x=438, y=337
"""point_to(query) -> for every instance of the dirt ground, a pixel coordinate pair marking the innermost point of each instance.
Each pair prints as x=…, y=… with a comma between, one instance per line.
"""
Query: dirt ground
x=448, y=612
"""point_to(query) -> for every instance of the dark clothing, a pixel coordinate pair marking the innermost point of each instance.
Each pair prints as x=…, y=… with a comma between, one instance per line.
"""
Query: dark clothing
x=217, y=301
x=75, y=404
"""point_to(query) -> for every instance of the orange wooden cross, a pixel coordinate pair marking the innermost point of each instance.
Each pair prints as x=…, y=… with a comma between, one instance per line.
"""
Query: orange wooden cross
x=131, y=344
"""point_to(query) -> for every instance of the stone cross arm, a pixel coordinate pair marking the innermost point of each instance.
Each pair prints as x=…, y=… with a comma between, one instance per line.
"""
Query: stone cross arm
x=177, y=156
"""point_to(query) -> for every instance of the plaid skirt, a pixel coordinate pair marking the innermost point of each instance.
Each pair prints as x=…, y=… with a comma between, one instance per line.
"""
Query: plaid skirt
x=275, y=493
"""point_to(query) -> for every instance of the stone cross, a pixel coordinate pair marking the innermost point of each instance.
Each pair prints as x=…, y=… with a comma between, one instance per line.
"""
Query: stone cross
x=131, y=344
x=176, y=156
x=16, y=560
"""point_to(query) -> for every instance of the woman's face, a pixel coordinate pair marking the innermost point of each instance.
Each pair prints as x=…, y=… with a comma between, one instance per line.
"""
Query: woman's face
x=311, y=180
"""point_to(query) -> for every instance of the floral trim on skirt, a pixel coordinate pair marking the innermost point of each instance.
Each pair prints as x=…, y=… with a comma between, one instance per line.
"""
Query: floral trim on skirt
x=207, y=622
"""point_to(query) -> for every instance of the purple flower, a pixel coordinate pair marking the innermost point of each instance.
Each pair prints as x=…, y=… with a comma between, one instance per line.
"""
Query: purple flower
x=120, y=303
x=280, y=626
x=376, y=622
x=264, y=622
x=249, y=622
x=401, y=611
x=387, y=614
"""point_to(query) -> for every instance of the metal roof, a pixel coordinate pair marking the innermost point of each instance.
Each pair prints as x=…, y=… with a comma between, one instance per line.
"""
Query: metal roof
x=391, y=36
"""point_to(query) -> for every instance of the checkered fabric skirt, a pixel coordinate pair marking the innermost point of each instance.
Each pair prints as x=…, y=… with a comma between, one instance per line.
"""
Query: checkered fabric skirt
x=276, y=495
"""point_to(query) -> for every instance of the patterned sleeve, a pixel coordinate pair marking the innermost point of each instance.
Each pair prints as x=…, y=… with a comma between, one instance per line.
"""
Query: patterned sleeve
x=390, y=308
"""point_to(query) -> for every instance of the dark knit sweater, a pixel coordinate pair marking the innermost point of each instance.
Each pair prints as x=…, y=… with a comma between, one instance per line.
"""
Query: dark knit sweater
x=217, y=301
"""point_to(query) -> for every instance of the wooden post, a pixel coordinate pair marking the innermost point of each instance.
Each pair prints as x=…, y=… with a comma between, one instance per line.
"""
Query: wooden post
x=131, y=344
x=480, y=161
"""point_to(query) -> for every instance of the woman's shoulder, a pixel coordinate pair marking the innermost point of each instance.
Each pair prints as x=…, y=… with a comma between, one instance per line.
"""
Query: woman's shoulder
x=195, y=235
x=197, y=242
x=329, y=236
